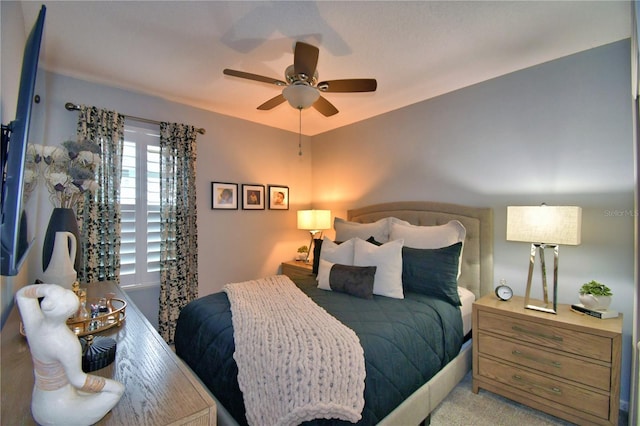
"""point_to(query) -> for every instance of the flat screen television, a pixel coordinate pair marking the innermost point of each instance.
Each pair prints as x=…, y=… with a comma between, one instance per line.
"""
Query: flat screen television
x=14, y=233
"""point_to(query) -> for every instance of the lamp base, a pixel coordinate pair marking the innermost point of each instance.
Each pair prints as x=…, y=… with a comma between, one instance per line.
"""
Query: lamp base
x=313, y=233
x=549, y=307
x=542, y=309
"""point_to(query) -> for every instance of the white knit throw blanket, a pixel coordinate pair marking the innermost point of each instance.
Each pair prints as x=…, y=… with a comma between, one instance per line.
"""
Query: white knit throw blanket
x=295, y=361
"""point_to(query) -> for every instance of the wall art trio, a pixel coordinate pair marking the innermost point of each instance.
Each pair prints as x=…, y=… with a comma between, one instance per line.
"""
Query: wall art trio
x=225, y=196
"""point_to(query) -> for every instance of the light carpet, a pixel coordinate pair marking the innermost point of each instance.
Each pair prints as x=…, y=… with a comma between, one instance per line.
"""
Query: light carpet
x=462, y=408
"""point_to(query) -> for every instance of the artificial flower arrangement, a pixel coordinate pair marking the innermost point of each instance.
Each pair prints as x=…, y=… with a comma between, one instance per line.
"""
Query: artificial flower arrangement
x=595, y=288
x=68, y=170
x=595, y=295
x=302, y=252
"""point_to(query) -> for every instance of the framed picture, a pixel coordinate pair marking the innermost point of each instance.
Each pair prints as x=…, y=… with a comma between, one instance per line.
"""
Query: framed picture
x=252, y=197
x=224, y=195
x=278, y=197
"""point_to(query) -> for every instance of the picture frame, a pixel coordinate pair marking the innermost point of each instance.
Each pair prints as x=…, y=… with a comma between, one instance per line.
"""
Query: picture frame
x=252, y=197
x=224, y=196
x=278, y=197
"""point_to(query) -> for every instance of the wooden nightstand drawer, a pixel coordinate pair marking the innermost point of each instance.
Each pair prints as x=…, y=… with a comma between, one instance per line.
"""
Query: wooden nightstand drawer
x=556, y=391
x=577, y=369
x=584, y=344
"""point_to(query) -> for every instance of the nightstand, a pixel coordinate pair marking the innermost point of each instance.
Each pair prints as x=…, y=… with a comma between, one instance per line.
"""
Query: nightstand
x=296, y=269
x=567, y=365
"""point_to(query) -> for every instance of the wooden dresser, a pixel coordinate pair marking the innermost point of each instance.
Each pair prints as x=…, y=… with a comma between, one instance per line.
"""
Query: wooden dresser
x=159, y=388
x=297, y=269
x=567, y=365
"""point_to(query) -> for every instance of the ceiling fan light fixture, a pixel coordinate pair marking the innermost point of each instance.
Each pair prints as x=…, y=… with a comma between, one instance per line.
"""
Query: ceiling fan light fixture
x=300, y=96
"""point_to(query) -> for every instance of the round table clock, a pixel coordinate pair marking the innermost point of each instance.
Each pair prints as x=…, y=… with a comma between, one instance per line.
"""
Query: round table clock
x=504, y=292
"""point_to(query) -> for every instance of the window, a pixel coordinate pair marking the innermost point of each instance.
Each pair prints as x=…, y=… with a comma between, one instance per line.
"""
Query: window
x=140, y=207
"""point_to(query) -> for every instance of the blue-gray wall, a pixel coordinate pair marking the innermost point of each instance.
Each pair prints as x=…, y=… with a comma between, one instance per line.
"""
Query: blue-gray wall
x=559, y=133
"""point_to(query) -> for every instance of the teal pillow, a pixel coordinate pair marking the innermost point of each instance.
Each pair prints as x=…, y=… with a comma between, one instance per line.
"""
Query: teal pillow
x=373, y=241
x=317, y=248
x=433, y=272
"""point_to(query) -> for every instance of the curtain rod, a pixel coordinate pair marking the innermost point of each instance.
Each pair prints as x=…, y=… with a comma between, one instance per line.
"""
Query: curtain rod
x=73, y=107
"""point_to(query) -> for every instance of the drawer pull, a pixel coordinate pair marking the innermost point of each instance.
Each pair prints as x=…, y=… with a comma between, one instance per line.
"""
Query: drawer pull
x=535, y=333
x=555, y=390
x=555, y=364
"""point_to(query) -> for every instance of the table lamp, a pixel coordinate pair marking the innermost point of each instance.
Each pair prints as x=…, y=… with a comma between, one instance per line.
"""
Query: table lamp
x=313, y=221
x=544, y=227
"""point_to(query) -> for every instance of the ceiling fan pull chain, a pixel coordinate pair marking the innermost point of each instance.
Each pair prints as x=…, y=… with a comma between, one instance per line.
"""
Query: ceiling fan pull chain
x=300, y=132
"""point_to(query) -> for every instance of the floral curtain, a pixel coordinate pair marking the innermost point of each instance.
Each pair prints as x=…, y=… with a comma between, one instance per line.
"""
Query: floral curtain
x=98, y=213
x=179, y=243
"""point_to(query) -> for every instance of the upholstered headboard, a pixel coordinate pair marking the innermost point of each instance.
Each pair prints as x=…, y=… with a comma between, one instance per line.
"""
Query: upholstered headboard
x=477, y=256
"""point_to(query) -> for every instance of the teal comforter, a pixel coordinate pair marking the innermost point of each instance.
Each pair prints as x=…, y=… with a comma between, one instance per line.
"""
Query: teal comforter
x=405, y=341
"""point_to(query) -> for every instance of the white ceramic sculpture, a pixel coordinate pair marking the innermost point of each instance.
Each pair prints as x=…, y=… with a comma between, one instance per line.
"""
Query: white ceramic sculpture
x=62, y=394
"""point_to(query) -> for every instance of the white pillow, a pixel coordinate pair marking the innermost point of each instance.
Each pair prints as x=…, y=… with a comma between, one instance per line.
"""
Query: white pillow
x=388, y=259
x=393, y=219
x=334, y=253
x=346, y=230
x=428, y=237
x=324, y=270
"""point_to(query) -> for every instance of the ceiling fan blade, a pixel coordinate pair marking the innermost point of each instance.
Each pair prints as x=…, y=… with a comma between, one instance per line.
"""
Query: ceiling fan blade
x=349, y=85
x=325, y=107
x=305, y=59
x=272, y=103
x=255, y=77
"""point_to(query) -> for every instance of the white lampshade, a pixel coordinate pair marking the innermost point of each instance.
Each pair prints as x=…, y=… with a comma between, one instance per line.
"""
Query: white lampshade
x=544, y=224
x=314, y=220
x=300, y=96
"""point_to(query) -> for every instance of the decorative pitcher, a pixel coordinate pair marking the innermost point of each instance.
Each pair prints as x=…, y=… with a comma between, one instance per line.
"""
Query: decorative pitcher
x=62, y=219
x=60, y=270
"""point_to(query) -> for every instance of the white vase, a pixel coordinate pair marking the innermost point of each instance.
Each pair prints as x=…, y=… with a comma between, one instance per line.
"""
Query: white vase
x=60, y=270
x=598, y=303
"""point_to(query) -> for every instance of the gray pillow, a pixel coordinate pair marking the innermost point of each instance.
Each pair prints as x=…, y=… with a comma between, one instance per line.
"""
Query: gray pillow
x=354, y=280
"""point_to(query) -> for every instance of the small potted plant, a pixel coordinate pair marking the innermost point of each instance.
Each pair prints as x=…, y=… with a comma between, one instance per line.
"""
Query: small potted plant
x=595, y=295
x=302, y=253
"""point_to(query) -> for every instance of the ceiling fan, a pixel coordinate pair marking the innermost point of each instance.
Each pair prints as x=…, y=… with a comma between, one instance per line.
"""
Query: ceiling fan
x=301, y=88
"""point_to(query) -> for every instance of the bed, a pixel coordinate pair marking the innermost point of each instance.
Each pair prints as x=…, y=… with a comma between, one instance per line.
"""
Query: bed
x=204, y=335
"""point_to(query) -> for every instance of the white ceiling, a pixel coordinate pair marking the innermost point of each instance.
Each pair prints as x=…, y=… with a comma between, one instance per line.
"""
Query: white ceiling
x=416, y=50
